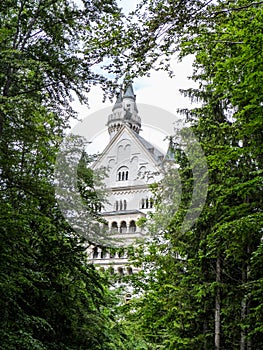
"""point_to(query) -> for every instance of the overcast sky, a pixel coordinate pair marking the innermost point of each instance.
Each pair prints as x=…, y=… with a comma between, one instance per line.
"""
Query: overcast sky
x=157, y=90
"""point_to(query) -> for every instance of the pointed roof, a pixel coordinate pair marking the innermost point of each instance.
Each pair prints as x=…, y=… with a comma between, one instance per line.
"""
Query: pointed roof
x=118, y=102
x=129, y=92
x=155, y=153
x=170, y=152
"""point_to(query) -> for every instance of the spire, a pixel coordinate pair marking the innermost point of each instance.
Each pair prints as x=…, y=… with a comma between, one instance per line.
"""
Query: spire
x=118, y=103
x=129, y=92
x=124, y=112
x=129, y=95
x=170, y=152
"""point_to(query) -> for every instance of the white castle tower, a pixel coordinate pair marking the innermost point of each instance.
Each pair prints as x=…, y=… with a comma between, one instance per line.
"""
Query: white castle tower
x=133, y=164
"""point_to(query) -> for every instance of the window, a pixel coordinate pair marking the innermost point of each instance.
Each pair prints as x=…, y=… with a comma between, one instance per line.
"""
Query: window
x=123, y=174
x=111, y=270
x=121, y=253
x=120, y=271
x=95, y=253
x=123, y=228
x=147, y=203
x=114, y=226
x=129, y=270
x=132, y=226
x=120, y=205
x=103, y=253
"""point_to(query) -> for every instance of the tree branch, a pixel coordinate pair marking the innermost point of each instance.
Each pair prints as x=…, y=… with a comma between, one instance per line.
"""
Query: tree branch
x=238, y=8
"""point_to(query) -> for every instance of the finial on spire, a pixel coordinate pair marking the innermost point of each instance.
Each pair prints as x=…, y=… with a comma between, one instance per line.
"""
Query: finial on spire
x=118, y=102
x=129, y=92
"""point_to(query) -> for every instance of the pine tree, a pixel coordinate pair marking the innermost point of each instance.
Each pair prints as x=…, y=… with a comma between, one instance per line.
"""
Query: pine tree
x=50, y=297
x=204, y=289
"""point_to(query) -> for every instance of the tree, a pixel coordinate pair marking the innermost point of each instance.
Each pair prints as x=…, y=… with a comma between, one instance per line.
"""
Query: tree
x=50, y=297
x=211, y=296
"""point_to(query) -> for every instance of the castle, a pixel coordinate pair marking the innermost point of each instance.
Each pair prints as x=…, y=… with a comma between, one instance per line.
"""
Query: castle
x=133, y=164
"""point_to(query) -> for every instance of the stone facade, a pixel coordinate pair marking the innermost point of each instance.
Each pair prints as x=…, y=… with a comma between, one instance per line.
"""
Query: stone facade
x=132, y=164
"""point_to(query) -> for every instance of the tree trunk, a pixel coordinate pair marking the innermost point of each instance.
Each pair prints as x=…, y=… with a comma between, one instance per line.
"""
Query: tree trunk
x=217, y=304
x=244, y=344
x=243, y=315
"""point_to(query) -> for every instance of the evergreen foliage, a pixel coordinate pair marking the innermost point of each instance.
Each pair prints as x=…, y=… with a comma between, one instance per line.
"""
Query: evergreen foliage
x=50, y=297
x=202, y=289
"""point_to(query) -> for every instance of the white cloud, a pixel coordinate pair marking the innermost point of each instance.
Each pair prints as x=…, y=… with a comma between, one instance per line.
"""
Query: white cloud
x=157, y=90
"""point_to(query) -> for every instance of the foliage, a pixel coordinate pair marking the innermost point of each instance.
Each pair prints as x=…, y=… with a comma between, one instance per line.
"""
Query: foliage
x=202, y=288
x=50, y=297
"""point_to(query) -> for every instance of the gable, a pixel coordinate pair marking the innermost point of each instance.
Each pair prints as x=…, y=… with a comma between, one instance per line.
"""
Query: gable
x=129, y=152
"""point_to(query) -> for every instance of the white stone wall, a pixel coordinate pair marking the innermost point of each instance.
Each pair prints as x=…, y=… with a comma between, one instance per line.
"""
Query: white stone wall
x=130, y=171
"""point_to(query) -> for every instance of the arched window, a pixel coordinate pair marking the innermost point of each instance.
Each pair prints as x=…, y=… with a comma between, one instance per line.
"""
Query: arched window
x=123, y=228
x=120, y=205
x=103, y=253
x=114, y=226
x=132, y=226
x=121, y=253
x=116, y=205
x=123, y=174
x=124, y=204
x=111, y=270
x=147, y=203
x=95, y=253
x=120, y=270
x=129, y=270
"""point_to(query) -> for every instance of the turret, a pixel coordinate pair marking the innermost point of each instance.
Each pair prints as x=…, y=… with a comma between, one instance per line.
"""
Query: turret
x=124, y=111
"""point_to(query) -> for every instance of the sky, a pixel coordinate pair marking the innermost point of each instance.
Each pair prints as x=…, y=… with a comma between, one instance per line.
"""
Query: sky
x=157, y=90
